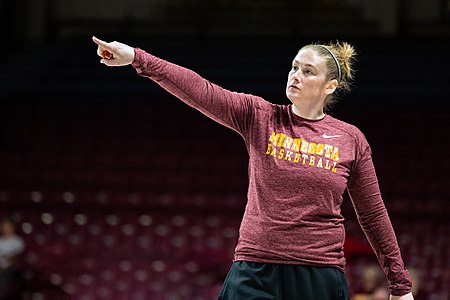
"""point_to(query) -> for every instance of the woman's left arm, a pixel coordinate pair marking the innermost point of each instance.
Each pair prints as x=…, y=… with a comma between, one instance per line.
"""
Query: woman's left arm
x=364, y=192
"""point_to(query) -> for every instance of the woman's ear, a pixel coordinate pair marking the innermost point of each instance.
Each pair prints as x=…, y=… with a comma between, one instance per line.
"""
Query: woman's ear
x=331, y=86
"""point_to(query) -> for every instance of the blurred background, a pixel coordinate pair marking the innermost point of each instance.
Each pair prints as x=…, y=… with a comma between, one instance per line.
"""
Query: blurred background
x=110, y=188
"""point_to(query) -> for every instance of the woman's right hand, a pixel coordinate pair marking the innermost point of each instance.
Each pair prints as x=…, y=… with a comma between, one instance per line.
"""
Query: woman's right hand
x=114, y=53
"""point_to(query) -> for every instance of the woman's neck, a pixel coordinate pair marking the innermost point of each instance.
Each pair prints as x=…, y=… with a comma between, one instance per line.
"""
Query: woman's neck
x=312, y=112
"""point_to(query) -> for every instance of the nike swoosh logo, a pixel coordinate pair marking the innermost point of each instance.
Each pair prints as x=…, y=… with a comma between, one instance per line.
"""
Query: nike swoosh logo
x=325, y=136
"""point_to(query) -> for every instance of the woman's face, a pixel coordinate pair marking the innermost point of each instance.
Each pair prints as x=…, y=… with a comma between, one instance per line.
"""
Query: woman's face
x=307, y=78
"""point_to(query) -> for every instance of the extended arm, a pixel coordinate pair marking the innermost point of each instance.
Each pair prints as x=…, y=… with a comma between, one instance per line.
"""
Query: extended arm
x=232, y=109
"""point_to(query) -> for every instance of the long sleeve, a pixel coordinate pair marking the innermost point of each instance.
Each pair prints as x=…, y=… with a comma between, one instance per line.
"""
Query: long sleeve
x=372, y=215
x=231, y=109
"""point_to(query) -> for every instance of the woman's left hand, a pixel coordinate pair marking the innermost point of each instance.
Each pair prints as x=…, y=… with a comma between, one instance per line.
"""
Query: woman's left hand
x=408, y=296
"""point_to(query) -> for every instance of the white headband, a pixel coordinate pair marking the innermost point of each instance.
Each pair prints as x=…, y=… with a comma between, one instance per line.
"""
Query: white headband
x=336, y=61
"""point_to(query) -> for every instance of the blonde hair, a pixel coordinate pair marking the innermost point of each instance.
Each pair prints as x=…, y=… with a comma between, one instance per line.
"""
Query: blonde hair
x=345, y=54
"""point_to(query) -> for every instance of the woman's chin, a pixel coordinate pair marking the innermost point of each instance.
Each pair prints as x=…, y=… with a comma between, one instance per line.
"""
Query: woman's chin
x=293, y=97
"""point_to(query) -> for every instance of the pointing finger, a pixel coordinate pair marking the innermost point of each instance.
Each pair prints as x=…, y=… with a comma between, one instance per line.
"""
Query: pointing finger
x=101, y=43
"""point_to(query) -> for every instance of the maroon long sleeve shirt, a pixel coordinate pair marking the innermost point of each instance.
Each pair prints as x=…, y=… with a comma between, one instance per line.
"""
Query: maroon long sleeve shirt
x=298, y=172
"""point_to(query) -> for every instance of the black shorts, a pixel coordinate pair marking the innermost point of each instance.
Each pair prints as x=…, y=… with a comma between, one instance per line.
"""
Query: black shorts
x=264, y=281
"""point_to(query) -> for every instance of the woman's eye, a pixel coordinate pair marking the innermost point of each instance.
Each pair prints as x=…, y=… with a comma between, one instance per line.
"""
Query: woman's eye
x=307, y=71
x=294, y=68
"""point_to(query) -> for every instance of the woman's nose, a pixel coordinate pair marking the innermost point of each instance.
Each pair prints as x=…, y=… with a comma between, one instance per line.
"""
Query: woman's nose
x=296, y=76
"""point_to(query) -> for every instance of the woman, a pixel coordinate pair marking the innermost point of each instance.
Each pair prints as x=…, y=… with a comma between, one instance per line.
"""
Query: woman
x=301, y=160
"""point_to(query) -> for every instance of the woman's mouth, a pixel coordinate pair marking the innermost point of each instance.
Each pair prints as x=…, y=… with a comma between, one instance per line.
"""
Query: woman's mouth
x=294, y=87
